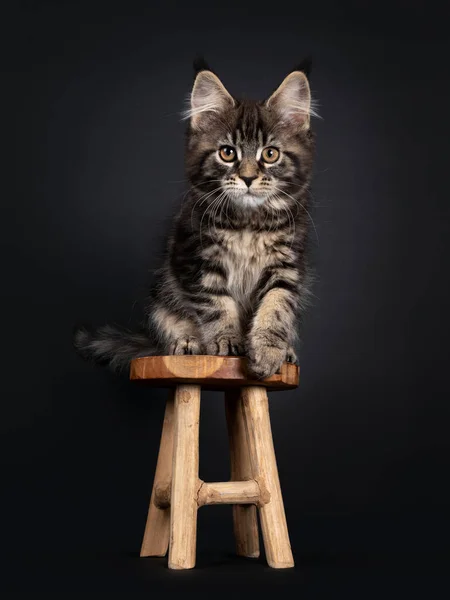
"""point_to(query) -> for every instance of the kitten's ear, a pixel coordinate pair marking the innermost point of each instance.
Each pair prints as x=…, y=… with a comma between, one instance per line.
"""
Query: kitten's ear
x=292, y=100
x=209, y=95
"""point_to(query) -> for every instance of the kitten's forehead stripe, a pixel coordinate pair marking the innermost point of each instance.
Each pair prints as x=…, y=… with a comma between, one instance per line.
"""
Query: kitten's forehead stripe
x=260, y=137
x=250, y=127
x=249, y=121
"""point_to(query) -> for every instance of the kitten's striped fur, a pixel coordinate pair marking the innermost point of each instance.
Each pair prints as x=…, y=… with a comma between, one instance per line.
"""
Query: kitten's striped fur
x=235, y=276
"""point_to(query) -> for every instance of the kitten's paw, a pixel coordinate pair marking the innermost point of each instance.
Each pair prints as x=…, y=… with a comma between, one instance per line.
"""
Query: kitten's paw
x=225, y=345
x=186, y=345
x=264, y=360
x=291, y=356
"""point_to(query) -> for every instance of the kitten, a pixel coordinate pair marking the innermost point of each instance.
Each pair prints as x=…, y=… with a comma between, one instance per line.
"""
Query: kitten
x=235, y=277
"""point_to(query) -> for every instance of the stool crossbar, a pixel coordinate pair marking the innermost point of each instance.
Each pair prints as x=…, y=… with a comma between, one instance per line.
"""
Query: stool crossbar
x=177, y=491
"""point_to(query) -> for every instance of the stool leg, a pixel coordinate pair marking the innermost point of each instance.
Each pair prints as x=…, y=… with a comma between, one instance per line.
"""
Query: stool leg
x=157, y=529
x=245, y=519
x=264, y=466
x=185, y=482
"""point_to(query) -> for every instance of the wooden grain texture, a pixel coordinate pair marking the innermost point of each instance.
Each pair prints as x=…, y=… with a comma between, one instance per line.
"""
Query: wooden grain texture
x=185, y=482
x=157, y=529
x=216, y=372
x=229, y=492
x=245, y=519
x=264, y=468
x=223, y=492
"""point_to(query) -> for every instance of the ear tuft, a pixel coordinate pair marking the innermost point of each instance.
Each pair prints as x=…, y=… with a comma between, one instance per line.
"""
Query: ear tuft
x=305, y=66
x=200, y=64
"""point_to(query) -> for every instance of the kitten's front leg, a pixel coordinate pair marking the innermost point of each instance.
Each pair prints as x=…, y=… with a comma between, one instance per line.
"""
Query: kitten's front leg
x=273, y=331
x=176, y=333
x=221, y=329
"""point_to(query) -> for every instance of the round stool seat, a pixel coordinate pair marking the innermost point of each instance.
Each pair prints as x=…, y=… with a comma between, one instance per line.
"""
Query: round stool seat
x=214, y=372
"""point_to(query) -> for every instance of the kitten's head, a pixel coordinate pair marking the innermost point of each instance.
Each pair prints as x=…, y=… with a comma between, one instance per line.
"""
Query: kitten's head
x=253, y=153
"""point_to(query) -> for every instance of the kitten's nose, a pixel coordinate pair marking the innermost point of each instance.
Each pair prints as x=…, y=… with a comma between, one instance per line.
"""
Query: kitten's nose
x=248, y=180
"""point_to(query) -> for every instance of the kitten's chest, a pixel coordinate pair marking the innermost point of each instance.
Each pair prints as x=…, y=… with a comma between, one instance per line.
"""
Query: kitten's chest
x=245, y=255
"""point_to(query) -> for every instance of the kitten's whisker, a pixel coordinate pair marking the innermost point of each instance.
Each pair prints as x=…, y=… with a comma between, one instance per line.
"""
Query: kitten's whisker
x=291, y=216
x=219, y=206
x=197, y=201
x=222, y=206
x=212, y=212
x=267, y=214
x=208, y=208
x=196, y=186
x=226, y=211
x=272, y=214
x=202, y=198
x=291, y=220
x=301, y=205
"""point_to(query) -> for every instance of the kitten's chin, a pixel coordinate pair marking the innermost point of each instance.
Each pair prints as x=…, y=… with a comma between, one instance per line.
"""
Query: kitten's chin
x=249, y=200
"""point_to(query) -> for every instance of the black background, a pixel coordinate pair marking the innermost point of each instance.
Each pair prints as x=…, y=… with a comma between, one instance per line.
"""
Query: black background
x=97, y=149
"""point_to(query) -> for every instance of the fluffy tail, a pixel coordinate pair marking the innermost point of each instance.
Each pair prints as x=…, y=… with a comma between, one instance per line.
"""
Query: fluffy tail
x=112, y=346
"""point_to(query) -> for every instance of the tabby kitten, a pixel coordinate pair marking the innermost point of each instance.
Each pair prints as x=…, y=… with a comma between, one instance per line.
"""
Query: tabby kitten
x=235, y=279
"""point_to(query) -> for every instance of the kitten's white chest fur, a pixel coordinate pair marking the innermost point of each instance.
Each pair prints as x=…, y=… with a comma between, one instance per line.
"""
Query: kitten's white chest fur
x=245, y=256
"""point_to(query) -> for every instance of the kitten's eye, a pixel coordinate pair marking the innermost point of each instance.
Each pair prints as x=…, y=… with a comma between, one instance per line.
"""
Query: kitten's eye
x=227, y=153
x=270, y=154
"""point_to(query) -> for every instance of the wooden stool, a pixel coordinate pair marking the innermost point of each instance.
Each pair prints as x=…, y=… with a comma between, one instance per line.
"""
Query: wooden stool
x=178, y=492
